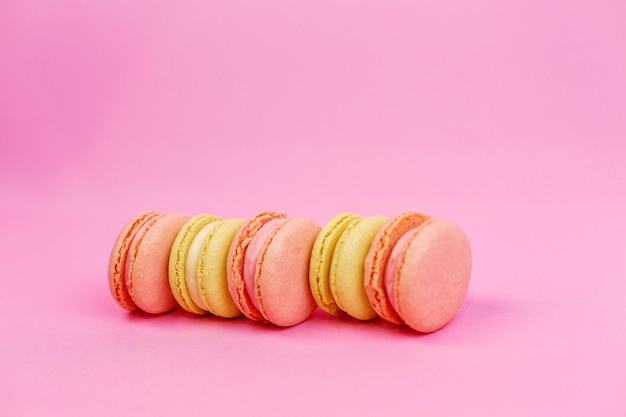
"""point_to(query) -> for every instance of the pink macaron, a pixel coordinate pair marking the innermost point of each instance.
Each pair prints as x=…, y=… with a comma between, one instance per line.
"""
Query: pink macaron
x=376, y=260
x=268, y=268
x=426, y=271
x=138, y=265
x=428, y=274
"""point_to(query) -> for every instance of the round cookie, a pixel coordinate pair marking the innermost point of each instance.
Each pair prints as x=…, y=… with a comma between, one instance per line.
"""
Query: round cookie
x=347, y=268
x=211, y=291
x=117, y=260
x=428, y=274
x=177, y=270
x=321, y=260
x=236, y=258
x=268, y=268
x=146, y=267
x=276, y=270
x=377, y=257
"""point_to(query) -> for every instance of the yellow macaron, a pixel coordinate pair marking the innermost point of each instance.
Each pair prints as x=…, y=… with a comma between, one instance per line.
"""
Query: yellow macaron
x=347, y=267
x=177, y=271
x=321, y=260
x=210, y=271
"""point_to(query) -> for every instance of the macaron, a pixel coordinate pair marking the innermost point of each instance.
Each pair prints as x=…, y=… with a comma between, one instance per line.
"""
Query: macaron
x=117, y=260
x=321, y=259
x=179, y=262
x=206, y=268
x=138, y=265
x=347, y=268
x=268, y=268
x=376, y=261
x=428, y=273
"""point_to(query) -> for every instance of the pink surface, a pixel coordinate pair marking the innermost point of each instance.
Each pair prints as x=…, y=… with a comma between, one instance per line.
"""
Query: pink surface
x=507, y=118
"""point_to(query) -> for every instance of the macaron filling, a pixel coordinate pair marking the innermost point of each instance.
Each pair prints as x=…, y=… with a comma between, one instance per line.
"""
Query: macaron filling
x=253, y=252
x=191, y=264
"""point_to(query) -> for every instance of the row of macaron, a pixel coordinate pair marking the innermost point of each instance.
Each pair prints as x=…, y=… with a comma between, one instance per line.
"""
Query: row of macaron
x=409, y=269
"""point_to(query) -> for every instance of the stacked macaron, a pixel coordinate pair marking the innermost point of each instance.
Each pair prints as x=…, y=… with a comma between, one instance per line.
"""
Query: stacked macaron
x=410, y=269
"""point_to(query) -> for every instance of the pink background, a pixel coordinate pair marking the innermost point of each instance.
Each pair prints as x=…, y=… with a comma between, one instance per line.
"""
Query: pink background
x=506, y=117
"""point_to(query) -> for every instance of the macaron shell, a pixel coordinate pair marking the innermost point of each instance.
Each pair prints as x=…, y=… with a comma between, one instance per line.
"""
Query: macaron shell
x=191, y=263
x=346, y=275
x=147, y=278
x=117, y=260
x=235, y=262
x=377, y=257
x=178, y=257
x=433, y=275
x=282, y=274
x=212, y=281
x=256, y=247
x=321, y=260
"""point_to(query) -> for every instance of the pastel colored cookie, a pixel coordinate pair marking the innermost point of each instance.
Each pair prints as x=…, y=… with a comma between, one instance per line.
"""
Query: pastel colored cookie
x=347, y=268
x=140, y=259
x=321, y=259
x=428, y=273
x=377, y=257
x=235, y=262
x=268, y=268
x=117, y=260
x=179, y=265
x=192, y=261
x=209, y=253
